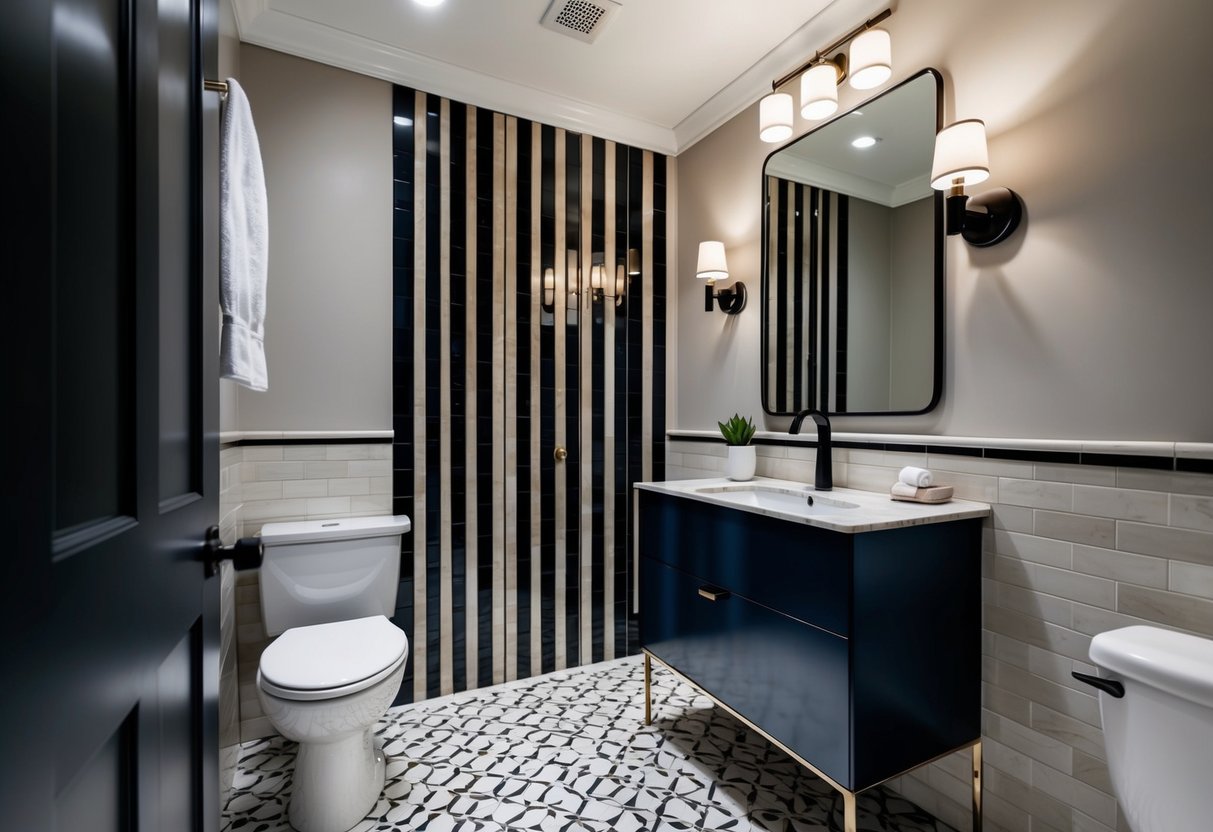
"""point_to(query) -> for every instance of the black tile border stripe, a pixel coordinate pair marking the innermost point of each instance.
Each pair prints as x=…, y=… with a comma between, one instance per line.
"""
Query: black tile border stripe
x=343, y=440
x=1195, y=466
x=1155, y=463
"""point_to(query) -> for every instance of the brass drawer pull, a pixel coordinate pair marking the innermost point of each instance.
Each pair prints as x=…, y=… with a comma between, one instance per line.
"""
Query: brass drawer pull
x=713, y=593
x=560, y=454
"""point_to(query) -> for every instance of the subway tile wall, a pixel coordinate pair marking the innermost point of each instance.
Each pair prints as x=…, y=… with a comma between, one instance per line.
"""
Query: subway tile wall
x=262, y=484
x=1070, y=551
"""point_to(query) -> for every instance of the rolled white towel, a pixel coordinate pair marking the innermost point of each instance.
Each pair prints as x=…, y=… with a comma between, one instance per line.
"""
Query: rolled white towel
x=917, y=477
x=901, y=489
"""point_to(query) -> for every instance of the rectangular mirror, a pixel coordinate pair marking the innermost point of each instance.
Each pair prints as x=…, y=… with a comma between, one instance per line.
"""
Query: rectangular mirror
x=852, y=261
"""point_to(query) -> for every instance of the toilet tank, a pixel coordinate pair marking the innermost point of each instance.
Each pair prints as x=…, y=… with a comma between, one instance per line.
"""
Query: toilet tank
x=319, y=571
x=1159, y=735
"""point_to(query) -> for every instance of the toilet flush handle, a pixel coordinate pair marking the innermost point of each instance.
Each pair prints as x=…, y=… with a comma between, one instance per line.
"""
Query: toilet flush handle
x=245, y=553
x=1109, y=686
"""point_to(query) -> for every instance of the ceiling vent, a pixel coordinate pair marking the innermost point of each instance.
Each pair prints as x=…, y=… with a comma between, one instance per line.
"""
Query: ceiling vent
x=580, y=19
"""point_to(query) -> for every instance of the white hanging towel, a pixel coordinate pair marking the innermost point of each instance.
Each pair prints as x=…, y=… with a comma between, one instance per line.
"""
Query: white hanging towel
x=243, y=245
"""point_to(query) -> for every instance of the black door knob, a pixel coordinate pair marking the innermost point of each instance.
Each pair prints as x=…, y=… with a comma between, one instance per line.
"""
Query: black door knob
x=245, y=553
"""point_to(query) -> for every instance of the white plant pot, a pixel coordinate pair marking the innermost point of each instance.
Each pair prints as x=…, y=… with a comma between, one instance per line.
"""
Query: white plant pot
x=741, y=462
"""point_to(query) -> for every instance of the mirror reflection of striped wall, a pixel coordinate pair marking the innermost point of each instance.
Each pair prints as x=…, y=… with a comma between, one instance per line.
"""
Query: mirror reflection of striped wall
x=529, y=322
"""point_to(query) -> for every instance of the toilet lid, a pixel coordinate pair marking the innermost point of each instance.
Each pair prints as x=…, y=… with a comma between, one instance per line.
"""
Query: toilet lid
x=324, y=657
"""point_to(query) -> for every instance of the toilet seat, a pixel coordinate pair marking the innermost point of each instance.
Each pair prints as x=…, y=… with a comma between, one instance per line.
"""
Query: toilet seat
x=327, y=661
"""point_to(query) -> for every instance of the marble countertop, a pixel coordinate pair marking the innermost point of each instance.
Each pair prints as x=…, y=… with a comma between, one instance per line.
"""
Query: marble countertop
x=844, y=510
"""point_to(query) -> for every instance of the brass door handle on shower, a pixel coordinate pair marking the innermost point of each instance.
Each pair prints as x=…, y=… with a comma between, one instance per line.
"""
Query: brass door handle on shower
x=560, y=454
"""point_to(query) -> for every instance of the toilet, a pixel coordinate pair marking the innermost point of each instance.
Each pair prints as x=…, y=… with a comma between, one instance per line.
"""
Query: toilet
x=1159, y=733
x=327, y=589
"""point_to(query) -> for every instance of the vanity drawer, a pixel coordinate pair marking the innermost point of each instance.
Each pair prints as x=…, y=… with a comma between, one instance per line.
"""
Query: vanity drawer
x=781, y=674
x=799, y=570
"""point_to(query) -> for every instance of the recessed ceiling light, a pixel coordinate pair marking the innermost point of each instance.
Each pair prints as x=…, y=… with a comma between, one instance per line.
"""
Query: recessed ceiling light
x=429, y=2
x=403, y=121
x=864, y=141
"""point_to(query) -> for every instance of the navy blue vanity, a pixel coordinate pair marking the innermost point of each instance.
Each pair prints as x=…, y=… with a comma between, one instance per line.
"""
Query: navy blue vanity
x=858, y=652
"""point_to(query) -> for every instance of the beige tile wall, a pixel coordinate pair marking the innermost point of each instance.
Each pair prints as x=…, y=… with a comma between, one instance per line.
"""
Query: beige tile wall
x=284, y=483
x=1070, y=551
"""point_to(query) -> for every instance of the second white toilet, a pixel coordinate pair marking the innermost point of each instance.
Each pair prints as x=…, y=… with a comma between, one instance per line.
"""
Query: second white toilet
x=327, y=589
x=1156, y=700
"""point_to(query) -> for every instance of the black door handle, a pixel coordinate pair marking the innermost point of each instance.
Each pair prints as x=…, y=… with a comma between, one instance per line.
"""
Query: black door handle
x=245, y=553
x=1112, y=688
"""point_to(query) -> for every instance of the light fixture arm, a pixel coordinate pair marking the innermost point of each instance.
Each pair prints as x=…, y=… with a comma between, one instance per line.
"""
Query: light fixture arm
x=1002, y=211
x=731, y=301
x=838, y=44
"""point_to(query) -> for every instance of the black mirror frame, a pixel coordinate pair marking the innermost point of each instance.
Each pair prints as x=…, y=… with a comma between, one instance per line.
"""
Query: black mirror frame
x=940, y=305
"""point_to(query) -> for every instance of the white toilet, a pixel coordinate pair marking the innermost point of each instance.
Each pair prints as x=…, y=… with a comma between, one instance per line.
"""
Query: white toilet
x=327, y=586
x=1159, y=733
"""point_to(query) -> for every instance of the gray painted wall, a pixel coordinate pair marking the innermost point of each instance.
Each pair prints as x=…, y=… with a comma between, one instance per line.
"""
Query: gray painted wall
x=911, y=331
x=1093, y=322
x=326, y=144
x=229, y=67
x=868, y=295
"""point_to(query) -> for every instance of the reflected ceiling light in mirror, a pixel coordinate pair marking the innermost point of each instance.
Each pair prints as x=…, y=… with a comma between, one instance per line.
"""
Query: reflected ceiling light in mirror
x=713, y=266
x=402, y=121
x=962, y=159
x=775, y=117
x=870, y=65
x=819, y=92
x=864, y=142
x=429, y=2
x=871, y=59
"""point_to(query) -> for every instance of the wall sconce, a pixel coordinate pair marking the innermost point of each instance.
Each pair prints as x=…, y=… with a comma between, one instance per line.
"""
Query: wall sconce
x=597, y=278
x=712, y=267
x=870, y=65
x=962, y=159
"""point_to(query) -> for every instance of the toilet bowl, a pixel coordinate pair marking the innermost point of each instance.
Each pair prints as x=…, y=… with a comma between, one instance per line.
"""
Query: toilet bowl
x=327, y=588
x=1156, y=703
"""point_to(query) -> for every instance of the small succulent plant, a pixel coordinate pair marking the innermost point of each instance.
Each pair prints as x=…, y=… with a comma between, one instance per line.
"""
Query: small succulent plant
x=737, y=431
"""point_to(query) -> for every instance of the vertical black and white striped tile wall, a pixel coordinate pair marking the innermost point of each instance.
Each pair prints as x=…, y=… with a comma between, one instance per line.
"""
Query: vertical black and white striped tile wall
x=807, y=260
x=518, y=564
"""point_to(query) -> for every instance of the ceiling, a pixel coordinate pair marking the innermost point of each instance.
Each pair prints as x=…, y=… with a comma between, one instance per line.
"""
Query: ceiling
x=661, y=74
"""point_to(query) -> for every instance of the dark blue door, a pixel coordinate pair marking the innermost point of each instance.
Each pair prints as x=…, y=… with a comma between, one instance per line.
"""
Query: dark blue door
x=109, y=645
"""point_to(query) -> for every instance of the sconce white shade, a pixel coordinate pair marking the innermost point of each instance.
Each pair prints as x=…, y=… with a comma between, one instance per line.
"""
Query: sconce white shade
x=871, y=59
x=960, y=154
x=633, y=261
x=597, y=277
x=819, y=92
x=621, y=283
x=712, y=265
x=775, y=117
x=549, y=286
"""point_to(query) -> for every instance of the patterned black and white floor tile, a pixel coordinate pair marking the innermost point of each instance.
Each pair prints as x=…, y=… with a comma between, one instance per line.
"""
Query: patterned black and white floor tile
x=568, y=752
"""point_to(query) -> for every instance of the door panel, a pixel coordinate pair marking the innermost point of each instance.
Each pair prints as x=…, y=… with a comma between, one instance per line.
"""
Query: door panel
x=107, y=712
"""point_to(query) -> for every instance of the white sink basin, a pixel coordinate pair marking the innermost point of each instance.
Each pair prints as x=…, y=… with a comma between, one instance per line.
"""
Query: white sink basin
x=803, y=500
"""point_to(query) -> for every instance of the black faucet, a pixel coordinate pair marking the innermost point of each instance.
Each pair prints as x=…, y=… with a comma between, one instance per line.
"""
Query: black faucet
x=824, y=479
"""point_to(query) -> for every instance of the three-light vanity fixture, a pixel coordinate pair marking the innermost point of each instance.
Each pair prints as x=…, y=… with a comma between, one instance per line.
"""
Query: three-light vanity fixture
x=713, y=266
x=962, y=159
x=870, y=64
x=600, y=285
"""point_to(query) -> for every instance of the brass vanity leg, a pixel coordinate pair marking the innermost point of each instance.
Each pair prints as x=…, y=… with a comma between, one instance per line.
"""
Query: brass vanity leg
x=849, y=822
x=977, y=787
x=648, y=701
